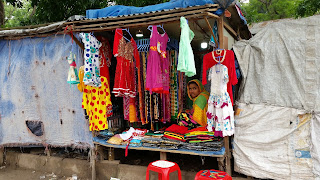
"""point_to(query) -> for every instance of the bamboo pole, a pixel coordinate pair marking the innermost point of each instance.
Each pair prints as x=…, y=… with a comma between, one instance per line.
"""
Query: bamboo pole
x=211, y=30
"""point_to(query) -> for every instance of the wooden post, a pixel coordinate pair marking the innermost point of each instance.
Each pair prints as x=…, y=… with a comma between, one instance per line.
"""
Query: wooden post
x=220, y=31
x=225, y=139
x=93, y=163
x=72, y=36
x=221, y=163
x=228, y=155
x=1, y=156
x=111, y=154
x=101, y=152
x=211, y=30
x=47, y=151
x=163, y=155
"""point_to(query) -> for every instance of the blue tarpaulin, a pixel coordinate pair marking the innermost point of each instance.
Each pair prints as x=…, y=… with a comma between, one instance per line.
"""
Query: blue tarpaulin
x=37, y=105
x=119, y=10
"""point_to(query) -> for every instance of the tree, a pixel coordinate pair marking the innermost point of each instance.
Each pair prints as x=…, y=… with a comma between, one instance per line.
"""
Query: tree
x=2, y=11
x=58, y=10
x=17, y=16
x=308, y=8
x=263, y=10
x=27, y=12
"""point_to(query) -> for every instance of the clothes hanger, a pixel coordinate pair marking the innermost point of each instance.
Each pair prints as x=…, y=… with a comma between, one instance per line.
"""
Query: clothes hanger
x=219, y=52
x=127, y=29
x=123, y=36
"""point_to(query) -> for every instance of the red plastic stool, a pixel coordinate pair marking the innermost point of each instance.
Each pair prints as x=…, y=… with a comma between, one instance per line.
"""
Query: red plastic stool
x=163, y=168
x=212, y=174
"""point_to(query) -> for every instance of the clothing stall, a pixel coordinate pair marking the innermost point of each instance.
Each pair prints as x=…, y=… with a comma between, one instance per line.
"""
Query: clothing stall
x=150, y=80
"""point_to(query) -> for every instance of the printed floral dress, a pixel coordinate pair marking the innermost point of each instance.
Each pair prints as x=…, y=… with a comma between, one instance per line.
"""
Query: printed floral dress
x=91, y=60
x=220, y=113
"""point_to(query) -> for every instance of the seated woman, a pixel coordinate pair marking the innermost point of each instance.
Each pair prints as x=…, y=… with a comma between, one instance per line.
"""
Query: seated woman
x=199, y=96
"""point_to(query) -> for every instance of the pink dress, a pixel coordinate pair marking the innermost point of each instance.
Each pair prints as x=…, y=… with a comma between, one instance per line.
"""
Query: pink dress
x=157, y=79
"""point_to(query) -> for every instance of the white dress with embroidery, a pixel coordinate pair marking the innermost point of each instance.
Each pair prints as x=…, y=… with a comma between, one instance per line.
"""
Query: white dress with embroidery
x=220, y=113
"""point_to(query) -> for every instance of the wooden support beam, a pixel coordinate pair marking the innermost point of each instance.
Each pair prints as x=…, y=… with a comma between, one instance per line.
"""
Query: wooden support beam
x=77, y=41
x=129, y=24
x=220, y=31
x=47, y=151
x=163, y=156
x=228, y=155
x=102, y=153
x=212, y=8
x=93, y=163
x=1, y=156
x=196, y=22
x=221, y=163
x=111, y=154
x=233, y=33
x=211, y=30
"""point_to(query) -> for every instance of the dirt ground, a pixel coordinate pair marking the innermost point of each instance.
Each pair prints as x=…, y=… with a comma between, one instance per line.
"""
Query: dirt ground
x=138, y=158
x=10, y=173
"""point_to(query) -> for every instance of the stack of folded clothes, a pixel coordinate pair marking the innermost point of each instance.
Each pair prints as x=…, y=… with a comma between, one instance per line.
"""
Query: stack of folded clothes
x=154, y=134
x=205, y=146
x=170, y=143
x=175, y=132
x=200, y=134
x=151, y=141
x=105, y=134
x=200, y=139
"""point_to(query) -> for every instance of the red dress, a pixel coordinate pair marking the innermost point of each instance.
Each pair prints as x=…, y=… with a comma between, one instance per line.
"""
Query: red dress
x=124, y=77
x=208, y=62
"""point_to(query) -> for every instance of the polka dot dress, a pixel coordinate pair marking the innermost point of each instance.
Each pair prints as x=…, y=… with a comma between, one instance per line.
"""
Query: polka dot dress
x=91, y=60
x=97, y=102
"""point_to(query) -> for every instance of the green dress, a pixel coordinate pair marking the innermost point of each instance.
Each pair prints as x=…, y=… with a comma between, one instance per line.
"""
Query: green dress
x=186, y=58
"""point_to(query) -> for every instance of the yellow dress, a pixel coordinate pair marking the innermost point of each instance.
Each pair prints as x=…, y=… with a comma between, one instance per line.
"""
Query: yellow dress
x=97, y=103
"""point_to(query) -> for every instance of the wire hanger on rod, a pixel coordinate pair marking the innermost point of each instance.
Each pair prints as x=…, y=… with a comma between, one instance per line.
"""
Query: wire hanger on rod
x=127, y=30
x=122, y=35
x=219, y=57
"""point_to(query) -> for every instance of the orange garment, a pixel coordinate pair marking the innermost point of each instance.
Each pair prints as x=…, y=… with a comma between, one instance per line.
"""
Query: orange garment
x=81, y=74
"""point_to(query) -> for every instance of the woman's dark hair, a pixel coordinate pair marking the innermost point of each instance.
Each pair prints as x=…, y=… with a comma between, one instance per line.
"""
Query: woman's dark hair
x=192, y=82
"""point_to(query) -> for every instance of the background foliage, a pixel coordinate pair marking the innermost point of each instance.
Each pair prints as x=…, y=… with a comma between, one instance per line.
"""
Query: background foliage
x=15, y=13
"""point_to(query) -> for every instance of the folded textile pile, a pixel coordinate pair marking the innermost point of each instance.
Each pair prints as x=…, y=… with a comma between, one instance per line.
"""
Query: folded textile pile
x=175, y=132
x=106, y=134
x=168, y=143
x=151, y=141
x=205, y=146
x=200, y=134
x=155, y=134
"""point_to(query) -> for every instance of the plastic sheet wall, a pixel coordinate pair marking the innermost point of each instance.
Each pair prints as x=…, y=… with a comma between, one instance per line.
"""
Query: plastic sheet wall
x=280, y=66
x=272, y=142
x=34, y=88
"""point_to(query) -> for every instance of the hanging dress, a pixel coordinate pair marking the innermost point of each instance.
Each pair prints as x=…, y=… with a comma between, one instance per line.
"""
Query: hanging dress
x=124, y=77
x=229, y=61
x=105, y=57
x=158, y=64
x=220, y=113
x=73, y=77
x=92, y=60
x=186, y=57
x=97, y=103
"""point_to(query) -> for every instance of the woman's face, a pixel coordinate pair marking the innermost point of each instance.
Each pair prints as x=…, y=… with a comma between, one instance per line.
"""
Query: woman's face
x=194, y=90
